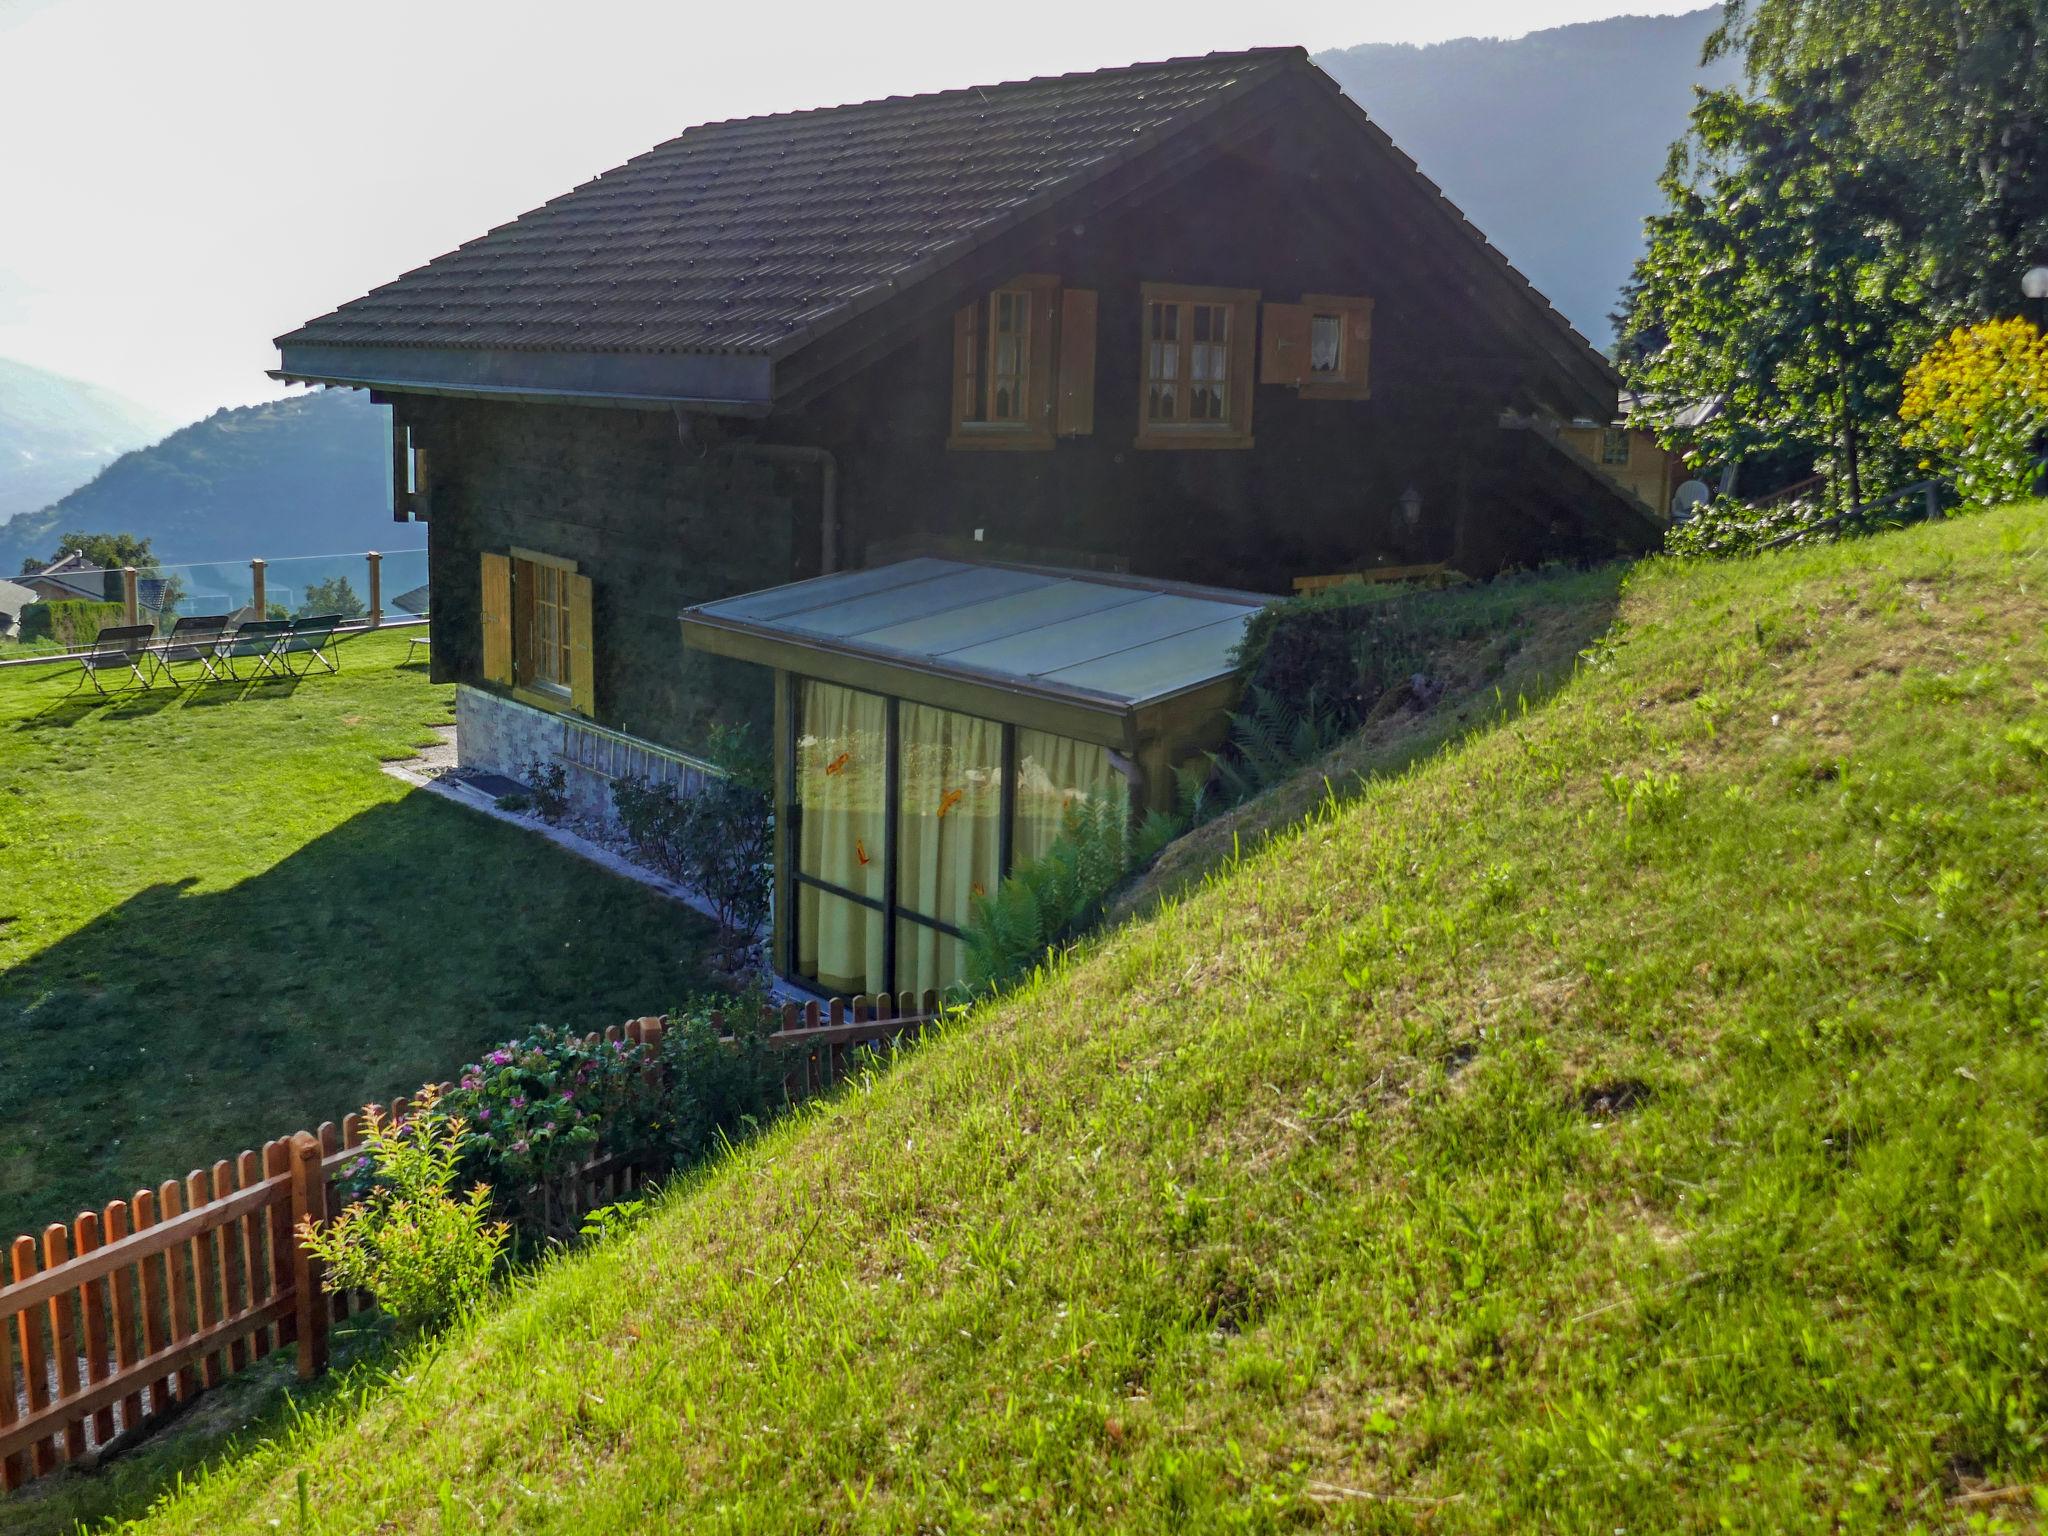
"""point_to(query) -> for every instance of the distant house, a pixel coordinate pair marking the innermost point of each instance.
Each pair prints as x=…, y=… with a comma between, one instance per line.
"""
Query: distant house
x=13, y=598
x=979, y=421
x=1629, y=455
x=72, y=578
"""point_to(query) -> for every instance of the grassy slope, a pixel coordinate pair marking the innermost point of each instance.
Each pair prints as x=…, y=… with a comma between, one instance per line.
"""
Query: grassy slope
x=1301, y=1203
x=219, y=921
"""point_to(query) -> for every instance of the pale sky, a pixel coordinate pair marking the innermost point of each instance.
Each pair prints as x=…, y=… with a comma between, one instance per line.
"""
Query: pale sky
x=181, y=180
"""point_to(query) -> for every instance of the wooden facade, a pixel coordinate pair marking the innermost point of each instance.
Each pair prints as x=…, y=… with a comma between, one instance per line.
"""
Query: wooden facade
x=663, y=509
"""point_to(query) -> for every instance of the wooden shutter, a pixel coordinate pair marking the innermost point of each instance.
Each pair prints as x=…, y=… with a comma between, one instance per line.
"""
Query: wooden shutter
x=963, y=366
x=1076, y=393
x=1245, y=324
x=1045, y=325
x=582, y=669
x=496, y=608
x=1283, y=344
x=1359, y=364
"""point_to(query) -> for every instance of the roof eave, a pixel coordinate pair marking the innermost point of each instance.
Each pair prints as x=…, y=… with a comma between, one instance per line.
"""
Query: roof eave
x=731, y=384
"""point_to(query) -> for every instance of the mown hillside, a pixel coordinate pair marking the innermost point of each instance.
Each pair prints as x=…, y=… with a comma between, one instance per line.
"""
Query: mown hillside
x=1631, y=1116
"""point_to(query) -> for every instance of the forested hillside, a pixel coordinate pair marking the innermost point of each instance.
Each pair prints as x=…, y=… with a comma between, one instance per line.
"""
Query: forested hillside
x=300, y=476
x=1551, y=143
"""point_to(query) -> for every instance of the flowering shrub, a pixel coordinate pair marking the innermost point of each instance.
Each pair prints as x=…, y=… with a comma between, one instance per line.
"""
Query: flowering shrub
x=539, y=1107
x=1975, y=403
x=424, y=1254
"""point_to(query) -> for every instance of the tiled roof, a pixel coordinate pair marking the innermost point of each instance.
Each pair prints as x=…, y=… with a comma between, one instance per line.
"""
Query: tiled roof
x=746, y=236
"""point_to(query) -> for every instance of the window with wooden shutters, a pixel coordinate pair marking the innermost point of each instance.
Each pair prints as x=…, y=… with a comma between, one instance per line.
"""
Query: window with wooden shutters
x=1195, y=367
x=546, y=641
x=1321, y=346
x=1007, y=367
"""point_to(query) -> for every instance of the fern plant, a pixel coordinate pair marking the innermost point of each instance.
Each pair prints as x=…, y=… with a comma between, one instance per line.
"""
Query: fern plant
x=1271, y=741
x=1051, y=900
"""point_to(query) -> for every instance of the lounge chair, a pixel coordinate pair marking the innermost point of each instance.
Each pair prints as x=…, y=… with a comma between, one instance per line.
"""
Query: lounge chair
x=311, y=638
x=194, y=637
x=116, y=647
x=256, y=640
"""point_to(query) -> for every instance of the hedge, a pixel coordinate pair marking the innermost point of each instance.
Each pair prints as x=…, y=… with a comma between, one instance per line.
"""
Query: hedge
x=72, y=623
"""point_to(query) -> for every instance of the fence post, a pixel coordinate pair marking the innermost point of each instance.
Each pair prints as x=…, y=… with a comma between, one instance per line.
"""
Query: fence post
x=130, y=608
x=376, y=588
x=309, y=1292
x=1933, y=509
x=259, y=599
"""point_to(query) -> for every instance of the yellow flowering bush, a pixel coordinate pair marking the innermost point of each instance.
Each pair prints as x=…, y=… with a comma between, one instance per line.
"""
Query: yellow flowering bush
x=1974, y=404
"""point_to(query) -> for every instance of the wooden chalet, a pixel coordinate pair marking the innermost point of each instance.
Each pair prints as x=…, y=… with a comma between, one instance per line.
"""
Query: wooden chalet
x=996, y=409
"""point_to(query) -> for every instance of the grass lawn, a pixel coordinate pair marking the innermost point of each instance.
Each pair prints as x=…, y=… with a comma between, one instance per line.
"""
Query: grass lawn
x=1629, y=1117
x=219, y=922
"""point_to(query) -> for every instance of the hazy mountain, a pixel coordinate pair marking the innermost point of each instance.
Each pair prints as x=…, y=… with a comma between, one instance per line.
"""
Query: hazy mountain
x=1550, y=143
x=55, y=432
x=306, y=475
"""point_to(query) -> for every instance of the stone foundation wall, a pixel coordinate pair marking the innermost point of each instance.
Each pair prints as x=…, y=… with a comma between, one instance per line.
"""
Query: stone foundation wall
x=494, y=734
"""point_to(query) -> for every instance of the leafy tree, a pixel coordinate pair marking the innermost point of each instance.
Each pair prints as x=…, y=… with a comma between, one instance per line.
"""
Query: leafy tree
x=335, y=596
x=1950, y=98
x=1777, y=283
x=1976, y=403
x=1881, y=177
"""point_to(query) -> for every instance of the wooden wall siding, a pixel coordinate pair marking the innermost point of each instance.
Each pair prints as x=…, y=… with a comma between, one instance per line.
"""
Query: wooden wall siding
x=654, y=521
x=1319, y=489
x=138, y=1308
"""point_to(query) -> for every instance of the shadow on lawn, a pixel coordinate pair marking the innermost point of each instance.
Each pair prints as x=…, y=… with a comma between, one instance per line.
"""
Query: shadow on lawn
x=68, y=709
x=186, y=1024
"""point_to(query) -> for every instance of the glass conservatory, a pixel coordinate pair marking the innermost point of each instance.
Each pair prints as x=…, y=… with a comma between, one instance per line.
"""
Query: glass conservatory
x=935, y=721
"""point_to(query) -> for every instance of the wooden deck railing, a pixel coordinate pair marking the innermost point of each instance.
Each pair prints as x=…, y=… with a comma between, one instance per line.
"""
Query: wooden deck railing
x=133, y=1310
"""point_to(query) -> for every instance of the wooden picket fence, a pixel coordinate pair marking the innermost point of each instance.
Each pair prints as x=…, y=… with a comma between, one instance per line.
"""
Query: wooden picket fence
x=132, y=1311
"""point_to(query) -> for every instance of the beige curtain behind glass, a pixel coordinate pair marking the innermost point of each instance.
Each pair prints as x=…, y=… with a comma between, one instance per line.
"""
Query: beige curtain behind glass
x=1054, y=772
x=949, y=831
x=841, y=786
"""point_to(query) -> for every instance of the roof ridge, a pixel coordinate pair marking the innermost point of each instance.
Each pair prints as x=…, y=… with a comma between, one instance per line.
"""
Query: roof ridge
x=1269, y=52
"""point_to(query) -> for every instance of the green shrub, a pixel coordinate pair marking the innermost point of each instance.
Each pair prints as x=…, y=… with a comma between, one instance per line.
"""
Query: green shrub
x=73, y=623
x=1343, y=647
x=422, y=1253
x=722, y=1080
x=716, y=840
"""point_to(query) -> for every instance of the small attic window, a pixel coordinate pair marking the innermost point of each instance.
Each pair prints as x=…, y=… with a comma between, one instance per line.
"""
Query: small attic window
x=1326, y=347
x=1614, y=445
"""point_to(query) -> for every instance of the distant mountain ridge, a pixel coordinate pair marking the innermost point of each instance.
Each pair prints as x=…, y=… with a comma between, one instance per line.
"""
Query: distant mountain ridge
x=1551, y=143
x=55, y=432
x=306, y=475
